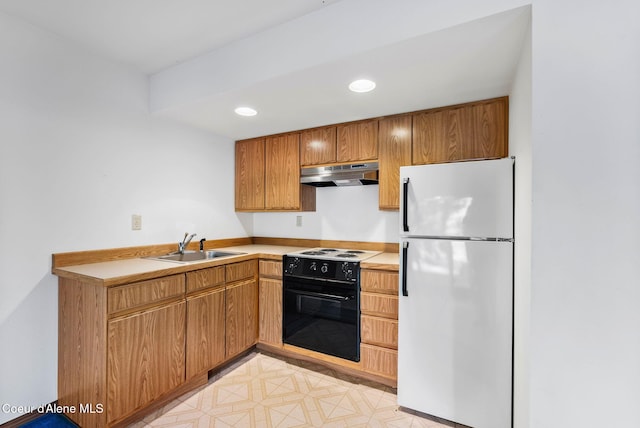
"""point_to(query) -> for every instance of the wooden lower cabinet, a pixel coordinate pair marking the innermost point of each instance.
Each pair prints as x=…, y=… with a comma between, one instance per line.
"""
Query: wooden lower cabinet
x=270, y=307
x=270, y=302
x=241, y=303
x=205, y=331
x=379, y=322
x=205, y=346
x=242, y=316
x=125, y=350
x=145, y=358
x=120, y=348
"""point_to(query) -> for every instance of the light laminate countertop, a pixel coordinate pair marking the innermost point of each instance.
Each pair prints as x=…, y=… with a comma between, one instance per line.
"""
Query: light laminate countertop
x=125, y=271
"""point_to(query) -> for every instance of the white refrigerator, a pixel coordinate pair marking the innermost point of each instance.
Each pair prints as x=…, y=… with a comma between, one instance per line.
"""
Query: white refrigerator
x=455, y=343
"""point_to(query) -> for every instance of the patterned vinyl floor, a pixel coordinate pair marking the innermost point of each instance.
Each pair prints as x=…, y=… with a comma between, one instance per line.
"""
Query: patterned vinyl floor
x=264, y=391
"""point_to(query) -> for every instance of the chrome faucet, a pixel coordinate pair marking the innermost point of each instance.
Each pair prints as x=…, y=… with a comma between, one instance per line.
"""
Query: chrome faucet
x=183, y=245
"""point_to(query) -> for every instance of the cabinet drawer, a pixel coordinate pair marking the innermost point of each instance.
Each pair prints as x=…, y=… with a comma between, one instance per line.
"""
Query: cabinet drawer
x=379, y=360
x=271, y=268
x=379, y=305
x=199, y=279
x=379, y=331
x=144, y=293
x=379, y=281
x=242, y=270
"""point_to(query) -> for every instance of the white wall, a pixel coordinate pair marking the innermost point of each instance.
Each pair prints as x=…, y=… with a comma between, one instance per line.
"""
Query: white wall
x=520, y=147
x=342, y=213
x=79, y=154
x=585, y=293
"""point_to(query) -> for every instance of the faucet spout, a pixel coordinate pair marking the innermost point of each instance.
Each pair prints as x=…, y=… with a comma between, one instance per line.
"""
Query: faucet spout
x=187, y=239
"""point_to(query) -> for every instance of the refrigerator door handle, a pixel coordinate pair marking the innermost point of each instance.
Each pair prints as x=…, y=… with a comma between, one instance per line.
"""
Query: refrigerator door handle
x=405, y=193
x=405, y=252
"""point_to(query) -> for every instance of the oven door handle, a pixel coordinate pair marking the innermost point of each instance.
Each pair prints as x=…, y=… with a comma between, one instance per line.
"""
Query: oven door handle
x=326, y=296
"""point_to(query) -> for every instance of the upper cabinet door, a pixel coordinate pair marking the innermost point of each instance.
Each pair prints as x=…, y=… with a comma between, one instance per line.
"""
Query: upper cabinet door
x=490, y=130
x=282, y=167
x=318, y=146
x=470, y=131
x=250, y=175
x=394, y=151
x=358, y=141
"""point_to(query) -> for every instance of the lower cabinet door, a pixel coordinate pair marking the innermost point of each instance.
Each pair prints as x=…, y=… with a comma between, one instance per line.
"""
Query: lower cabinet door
x=270, y=311
x=242, y=316
x=205, y=331
x=145, y=358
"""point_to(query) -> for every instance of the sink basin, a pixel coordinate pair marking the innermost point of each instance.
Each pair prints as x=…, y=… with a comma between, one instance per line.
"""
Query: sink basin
x=195, y=256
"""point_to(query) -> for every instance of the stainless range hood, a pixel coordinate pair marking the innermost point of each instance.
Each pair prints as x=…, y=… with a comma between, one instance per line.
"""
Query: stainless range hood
x=356, y=174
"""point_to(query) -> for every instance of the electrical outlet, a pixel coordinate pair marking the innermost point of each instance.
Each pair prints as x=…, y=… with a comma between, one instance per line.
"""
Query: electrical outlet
x=298, y=220
x=136, y=222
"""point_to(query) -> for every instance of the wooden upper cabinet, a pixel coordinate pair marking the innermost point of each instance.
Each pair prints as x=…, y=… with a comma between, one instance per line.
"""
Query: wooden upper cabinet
x=282, y=166
x=268, y=175
x=357, y=141
x=318, y=146
x=490, y=129
x=250, y=169
x=394, y=151
x=283, y=190
x=465, y=132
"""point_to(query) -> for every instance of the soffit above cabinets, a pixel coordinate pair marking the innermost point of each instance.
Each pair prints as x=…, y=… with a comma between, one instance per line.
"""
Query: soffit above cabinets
x=301, y=83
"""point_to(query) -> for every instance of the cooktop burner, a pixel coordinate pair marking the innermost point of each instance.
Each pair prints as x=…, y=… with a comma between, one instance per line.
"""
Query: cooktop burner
x=334, y=254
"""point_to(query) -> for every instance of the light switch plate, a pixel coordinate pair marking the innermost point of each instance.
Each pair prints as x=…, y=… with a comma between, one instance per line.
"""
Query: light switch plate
x=136, y=222
x=298, y=220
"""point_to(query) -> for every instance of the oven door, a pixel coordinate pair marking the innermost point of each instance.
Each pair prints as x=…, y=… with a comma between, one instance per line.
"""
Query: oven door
x=322, y=316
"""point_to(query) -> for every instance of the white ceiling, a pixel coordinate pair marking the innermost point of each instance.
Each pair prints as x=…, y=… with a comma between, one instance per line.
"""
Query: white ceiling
x=470, y=61
x=151, y=35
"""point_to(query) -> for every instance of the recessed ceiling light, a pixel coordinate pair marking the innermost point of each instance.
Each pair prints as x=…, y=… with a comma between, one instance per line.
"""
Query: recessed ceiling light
x=362, y=85
x=246, y=111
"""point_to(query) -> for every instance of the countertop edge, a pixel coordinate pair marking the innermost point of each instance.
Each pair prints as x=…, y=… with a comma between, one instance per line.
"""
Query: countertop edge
x=126, y=271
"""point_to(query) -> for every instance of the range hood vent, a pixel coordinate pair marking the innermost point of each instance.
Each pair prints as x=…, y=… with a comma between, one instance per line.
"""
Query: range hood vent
x=357, y=174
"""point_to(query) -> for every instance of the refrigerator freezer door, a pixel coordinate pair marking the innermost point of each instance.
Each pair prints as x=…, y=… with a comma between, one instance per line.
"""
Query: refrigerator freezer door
x=455, y=331
x=463, y=199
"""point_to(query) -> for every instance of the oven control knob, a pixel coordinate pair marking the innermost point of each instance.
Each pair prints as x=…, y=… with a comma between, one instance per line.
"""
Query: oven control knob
x=293, y=264
x=313, y=266
x=347, y=271
x=324, y=268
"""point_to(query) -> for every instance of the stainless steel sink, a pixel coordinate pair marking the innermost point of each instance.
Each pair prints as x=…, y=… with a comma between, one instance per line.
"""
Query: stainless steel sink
x=195, y=256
